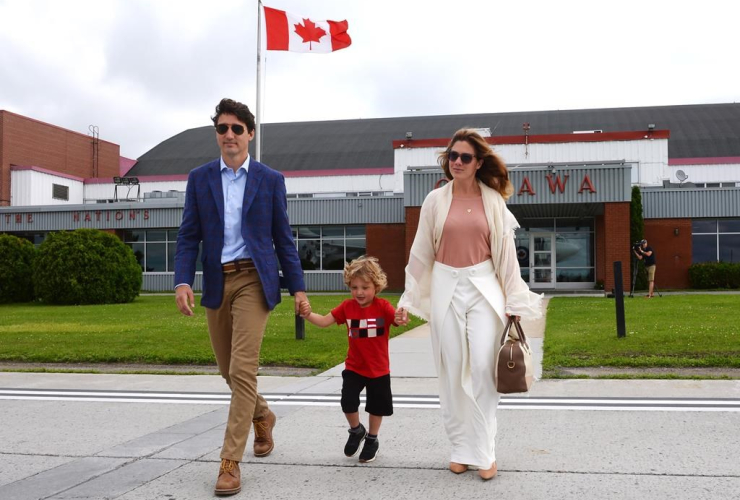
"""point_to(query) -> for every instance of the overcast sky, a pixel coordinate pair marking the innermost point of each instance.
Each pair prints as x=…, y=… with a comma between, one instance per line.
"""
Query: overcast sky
x=145, y=70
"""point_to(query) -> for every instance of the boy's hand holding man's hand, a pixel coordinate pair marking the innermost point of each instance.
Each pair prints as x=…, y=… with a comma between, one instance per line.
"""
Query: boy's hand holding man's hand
x=305, y=309
x=402, y=317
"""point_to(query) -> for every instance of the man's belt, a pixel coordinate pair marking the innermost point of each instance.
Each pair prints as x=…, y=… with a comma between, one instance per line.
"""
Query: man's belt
x=238, y=265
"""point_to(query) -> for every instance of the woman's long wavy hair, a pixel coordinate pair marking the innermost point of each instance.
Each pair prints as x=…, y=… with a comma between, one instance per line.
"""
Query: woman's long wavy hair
x=493, y=173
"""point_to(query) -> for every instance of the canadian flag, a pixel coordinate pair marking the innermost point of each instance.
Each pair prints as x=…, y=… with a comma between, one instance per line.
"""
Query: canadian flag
x=296, y=34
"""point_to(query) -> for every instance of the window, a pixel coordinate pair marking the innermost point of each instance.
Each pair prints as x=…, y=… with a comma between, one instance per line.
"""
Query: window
x=715, y=240
x=35, y=238
x=328, y=248
x=154, y=249
x=569, y=241
x=574, y=252
x=59, y=192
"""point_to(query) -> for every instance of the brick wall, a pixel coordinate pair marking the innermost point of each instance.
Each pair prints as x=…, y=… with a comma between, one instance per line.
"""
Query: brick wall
x=4, y=173
x=617, y=243
x=387, y=243
x=672, y=251
x=28, y=142
x=412, y=223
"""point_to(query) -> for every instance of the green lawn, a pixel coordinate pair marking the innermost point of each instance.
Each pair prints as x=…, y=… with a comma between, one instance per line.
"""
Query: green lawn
x=151, y=330
x=673, y=331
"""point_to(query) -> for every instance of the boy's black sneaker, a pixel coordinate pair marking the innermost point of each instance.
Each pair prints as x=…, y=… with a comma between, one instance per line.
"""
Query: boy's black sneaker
x=354, y=441
x=370, y=450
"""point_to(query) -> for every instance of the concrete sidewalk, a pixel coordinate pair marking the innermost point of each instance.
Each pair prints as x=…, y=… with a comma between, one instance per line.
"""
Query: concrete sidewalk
x=144, y=437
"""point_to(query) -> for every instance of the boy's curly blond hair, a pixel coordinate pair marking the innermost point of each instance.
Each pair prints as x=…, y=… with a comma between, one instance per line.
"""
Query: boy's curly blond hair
x=367, y=268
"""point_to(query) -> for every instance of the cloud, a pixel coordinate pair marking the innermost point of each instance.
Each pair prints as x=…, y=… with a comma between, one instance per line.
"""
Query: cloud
x=144, y=71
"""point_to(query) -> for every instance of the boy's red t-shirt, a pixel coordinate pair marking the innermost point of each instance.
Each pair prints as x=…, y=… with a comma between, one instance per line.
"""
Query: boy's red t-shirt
x=368, y=330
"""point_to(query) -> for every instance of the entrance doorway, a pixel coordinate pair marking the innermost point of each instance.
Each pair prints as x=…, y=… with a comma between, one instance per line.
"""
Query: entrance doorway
x=536, y=255
x=542, y=260
x=557, y=253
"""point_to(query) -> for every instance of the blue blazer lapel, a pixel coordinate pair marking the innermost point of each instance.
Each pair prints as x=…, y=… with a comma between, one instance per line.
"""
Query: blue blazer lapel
x=214, y=181
x=254, y=177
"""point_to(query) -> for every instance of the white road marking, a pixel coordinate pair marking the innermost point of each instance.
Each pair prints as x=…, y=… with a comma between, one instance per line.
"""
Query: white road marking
x=399, y=401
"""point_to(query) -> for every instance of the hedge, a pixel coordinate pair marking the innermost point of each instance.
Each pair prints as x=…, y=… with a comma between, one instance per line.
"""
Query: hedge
x=714, y=275
x=16, y=269
x=86, y=266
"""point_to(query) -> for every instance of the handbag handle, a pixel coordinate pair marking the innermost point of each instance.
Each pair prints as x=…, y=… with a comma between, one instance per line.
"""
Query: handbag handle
x=519, y=331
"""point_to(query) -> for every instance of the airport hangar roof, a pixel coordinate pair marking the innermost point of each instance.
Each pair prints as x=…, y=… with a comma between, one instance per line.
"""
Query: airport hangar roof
x=696, y=131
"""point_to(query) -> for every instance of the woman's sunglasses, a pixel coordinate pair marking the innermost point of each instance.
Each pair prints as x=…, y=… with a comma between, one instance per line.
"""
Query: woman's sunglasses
x=224, y=127
x=464, y=157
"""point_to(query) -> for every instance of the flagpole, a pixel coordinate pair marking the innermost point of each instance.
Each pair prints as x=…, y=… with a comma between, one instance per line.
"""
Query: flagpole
x=258, y=105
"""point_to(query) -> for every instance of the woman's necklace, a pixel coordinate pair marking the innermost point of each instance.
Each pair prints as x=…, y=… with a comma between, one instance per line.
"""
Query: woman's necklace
x=470, y=209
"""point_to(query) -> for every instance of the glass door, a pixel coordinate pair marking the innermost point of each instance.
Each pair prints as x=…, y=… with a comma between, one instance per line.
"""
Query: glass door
x=542, y=260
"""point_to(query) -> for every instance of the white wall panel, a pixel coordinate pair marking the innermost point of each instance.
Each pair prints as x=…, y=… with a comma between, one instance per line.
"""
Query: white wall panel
x=106, y=191
x=294, y=185
x=339, y=183
x=323, y=184
x=707, y=173
x=651, y=157
x=31, y=188
x=415, y=157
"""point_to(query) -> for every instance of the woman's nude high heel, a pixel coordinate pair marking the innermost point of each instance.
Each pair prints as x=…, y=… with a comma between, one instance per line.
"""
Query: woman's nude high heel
x=488, y=473
x=458, y=468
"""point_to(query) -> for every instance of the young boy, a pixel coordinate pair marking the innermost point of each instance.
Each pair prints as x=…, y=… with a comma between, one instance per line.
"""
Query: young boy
x=368, y=320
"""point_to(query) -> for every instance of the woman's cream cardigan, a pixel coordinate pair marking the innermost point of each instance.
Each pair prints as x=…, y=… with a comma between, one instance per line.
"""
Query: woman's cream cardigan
x=520, y=301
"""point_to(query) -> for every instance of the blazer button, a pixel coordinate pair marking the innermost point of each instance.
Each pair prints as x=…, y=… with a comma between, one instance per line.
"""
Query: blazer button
x=472, y=271
x=454, y=274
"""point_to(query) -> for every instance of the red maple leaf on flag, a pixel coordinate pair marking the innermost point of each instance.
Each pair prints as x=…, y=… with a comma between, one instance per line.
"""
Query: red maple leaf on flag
x=309, y=32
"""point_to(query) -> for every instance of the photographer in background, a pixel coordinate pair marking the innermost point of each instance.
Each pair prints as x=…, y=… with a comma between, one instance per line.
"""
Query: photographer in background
x=646, y=253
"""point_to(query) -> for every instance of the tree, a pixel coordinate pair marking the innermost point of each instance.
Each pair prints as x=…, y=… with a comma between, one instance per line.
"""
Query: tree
x=86, y=266
x=16, y=266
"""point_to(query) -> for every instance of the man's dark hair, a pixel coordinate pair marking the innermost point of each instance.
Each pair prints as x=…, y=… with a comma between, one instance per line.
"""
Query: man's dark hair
x=232, y=107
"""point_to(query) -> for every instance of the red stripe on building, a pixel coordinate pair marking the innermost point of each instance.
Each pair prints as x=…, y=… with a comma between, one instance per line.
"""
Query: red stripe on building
x=719, y=160
x=541, y=139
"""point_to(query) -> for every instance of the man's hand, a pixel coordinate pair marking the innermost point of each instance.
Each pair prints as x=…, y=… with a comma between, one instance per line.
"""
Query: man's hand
x=305, y=309
x=301, y=297
x=402, y=317
x=185, y=299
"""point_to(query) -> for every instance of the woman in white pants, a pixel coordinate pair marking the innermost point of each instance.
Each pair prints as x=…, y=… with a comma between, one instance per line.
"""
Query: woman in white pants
x=463, y=277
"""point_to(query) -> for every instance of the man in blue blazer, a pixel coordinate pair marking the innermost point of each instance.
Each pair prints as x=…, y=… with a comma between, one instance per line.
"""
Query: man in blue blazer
x=236, y=208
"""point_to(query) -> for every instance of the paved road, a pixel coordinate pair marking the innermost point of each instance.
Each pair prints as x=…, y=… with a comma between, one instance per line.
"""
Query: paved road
x=144, y=437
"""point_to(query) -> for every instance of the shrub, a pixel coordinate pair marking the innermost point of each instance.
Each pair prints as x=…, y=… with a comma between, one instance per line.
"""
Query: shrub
x=714, y=275
x=16, y=269
x=86, y=266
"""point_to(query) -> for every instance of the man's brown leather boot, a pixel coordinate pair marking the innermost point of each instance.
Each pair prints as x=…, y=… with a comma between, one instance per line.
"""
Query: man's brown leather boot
x=263, y=443
x=229, y=478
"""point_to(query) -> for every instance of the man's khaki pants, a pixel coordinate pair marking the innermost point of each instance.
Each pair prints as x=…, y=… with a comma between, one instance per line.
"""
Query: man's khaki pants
x=236, y=330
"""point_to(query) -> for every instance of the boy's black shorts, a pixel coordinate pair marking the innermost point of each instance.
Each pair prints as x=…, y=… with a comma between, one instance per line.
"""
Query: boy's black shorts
x=379, y=399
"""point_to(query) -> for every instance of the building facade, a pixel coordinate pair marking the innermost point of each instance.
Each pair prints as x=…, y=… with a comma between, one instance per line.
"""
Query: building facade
x=357, y=186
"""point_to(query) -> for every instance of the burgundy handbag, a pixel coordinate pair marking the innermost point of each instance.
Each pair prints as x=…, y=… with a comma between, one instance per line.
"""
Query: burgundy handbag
x=513, y=368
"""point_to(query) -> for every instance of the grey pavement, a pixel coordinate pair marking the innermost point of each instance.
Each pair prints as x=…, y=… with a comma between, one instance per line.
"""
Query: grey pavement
x=137, y=437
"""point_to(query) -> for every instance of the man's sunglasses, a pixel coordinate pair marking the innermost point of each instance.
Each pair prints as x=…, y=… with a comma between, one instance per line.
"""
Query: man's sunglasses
x=464, y=157
x=222, y=128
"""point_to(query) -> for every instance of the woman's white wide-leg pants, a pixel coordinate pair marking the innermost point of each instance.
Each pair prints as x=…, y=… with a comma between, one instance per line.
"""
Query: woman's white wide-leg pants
x=467, y=321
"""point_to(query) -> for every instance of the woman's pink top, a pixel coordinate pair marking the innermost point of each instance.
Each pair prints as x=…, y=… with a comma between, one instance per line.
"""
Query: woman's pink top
x=466, y=238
